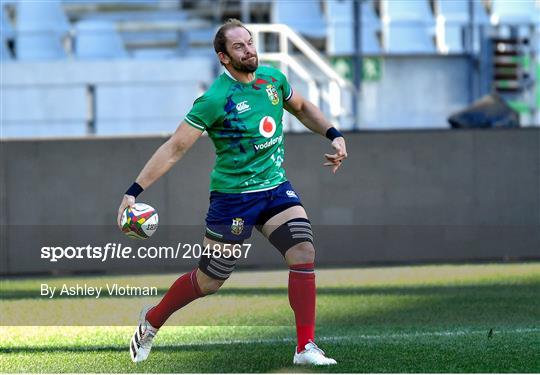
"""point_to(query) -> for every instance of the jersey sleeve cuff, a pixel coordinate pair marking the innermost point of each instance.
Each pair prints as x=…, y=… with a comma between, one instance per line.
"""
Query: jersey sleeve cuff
x=195, y=125
x=289, y=96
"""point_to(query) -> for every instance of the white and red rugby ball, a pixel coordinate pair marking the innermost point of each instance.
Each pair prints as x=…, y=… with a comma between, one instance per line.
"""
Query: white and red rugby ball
x=139, y=221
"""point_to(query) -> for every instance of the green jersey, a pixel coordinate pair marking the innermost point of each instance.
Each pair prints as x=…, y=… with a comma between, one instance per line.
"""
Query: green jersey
x=244, y=122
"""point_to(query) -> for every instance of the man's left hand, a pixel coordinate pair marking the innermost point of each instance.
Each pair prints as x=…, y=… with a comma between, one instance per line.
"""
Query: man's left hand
x=335, y=160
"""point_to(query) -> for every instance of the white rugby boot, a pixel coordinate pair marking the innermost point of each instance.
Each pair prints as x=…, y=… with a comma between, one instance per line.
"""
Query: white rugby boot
x=141, y=342
x=312, y=355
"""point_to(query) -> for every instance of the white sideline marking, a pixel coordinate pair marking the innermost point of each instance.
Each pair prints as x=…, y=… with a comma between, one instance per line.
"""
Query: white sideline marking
x=364, y=337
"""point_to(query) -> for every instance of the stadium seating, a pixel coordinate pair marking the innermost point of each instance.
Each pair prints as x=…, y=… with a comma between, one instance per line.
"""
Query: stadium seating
x=371, y=26
x=5, y=53
x=41, y=27
x=141, y=16
x=5, y=25
x=305, y=17
x=6, y=33
x=517, y=11
x=407, y=27
x=453, y=19
x=458, y=11
x=138, y=3
x=340, y=27
x=41, y=16
x=42, y=46
x=408, y=38
x=339, y=18
x=201, y=42
x=98, y=39
x=406, y=10
x=154, y=53
x=149, y=33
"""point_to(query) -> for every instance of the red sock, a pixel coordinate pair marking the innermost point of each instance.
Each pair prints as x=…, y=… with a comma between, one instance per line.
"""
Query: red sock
x=302, y=300
x=184, y=290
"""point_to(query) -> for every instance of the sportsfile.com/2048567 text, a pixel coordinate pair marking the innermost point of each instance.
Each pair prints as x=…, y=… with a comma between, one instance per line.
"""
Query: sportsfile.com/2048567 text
x=118, y=251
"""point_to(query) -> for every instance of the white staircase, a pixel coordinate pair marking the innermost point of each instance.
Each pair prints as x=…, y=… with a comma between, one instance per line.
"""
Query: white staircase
x=308, y=72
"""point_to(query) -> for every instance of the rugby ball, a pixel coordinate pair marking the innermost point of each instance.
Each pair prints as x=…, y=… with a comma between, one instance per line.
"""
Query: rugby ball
x=139, y=221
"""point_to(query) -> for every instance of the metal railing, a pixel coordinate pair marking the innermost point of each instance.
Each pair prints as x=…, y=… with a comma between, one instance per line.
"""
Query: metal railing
x=325, y=88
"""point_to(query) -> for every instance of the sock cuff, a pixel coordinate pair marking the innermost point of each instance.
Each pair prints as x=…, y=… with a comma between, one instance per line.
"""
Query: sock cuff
x=193, y=279
x=305, y=271
x=303, y=267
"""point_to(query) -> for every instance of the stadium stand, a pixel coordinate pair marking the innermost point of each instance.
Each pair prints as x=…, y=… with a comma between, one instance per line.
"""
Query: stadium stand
x=371, y=28
x=452, y=23
x=514, y=18
x=408, y=27
x=340, y=30
x=306, y=17
x=6, y=34
x=98, y=39
x=200, y=42
x=339, y=20
x=144, y=31
x=70, y=32
x=41, y=29
x=5, y=53
x=521, y=11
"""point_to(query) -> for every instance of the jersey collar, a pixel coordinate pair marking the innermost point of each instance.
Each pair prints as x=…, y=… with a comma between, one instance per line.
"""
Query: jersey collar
x=242, y=83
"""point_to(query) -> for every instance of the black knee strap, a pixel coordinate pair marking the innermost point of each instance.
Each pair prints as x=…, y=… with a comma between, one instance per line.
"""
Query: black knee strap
x=217, y=268
x=291, y=233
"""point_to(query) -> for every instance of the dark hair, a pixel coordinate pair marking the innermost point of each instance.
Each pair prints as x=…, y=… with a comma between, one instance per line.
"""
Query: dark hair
x=220, y=41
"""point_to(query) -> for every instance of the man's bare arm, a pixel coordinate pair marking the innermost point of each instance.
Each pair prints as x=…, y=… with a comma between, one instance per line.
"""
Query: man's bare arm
x=314, y=119
x=162, y=160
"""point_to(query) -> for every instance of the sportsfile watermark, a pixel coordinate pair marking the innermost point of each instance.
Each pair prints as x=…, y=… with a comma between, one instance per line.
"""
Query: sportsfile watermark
x=119, y=251
x=81, y=275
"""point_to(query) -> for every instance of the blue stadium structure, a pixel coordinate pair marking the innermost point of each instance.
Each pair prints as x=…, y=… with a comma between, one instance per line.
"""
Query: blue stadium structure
x=455, y=50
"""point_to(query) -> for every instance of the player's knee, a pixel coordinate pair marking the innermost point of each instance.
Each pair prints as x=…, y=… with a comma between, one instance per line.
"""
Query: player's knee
x=301, y=253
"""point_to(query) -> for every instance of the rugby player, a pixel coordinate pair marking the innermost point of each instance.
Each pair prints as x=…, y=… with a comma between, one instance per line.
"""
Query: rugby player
x=242, y=113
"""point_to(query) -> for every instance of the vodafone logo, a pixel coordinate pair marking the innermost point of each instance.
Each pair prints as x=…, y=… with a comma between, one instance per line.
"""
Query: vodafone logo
x=267, y=126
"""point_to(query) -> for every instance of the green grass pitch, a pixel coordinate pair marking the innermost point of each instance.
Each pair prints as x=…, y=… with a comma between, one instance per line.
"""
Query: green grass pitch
x=387, y=319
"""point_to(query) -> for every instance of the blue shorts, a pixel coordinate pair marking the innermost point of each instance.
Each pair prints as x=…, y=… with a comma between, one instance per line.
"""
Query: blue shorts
x=231, y=217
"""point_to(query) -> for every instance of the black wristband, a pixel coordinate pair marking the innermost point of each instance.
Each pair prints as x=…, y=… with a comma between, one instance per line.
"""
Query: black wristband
x=134, y=190
x=333, y=133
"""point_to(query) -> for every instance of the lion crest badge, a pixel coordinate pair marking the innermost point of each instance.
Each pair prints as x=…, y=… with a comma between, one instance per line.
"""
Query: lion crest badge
x=237, y=226
x=272, y=94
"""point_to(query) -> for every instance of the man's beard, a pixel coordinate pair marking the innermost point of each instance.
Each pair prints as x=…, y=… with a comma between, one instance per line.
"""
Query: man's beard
x=245, y=66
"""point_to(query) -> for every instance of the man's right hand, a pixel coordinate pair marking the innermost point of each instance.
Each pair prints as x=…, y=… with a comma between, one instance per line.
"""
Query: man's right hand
x=335, y=160
x=128, y=201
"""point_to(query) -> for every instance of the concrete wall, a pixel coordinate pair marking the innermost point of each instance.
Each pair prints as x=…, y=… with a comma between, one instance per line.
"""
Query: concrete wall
x=414, y=196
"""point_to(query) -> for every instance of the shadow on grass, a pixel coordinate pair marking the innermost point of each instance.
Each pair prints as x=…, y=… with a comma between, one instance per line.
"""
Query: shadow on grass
x=125, y=348
x=373, y=309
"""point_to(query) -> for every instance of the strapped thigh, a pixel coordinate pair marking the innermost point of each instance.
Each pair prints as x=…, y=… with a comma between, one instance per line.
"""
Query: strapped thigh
x=291, y=233
x=219, y=268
